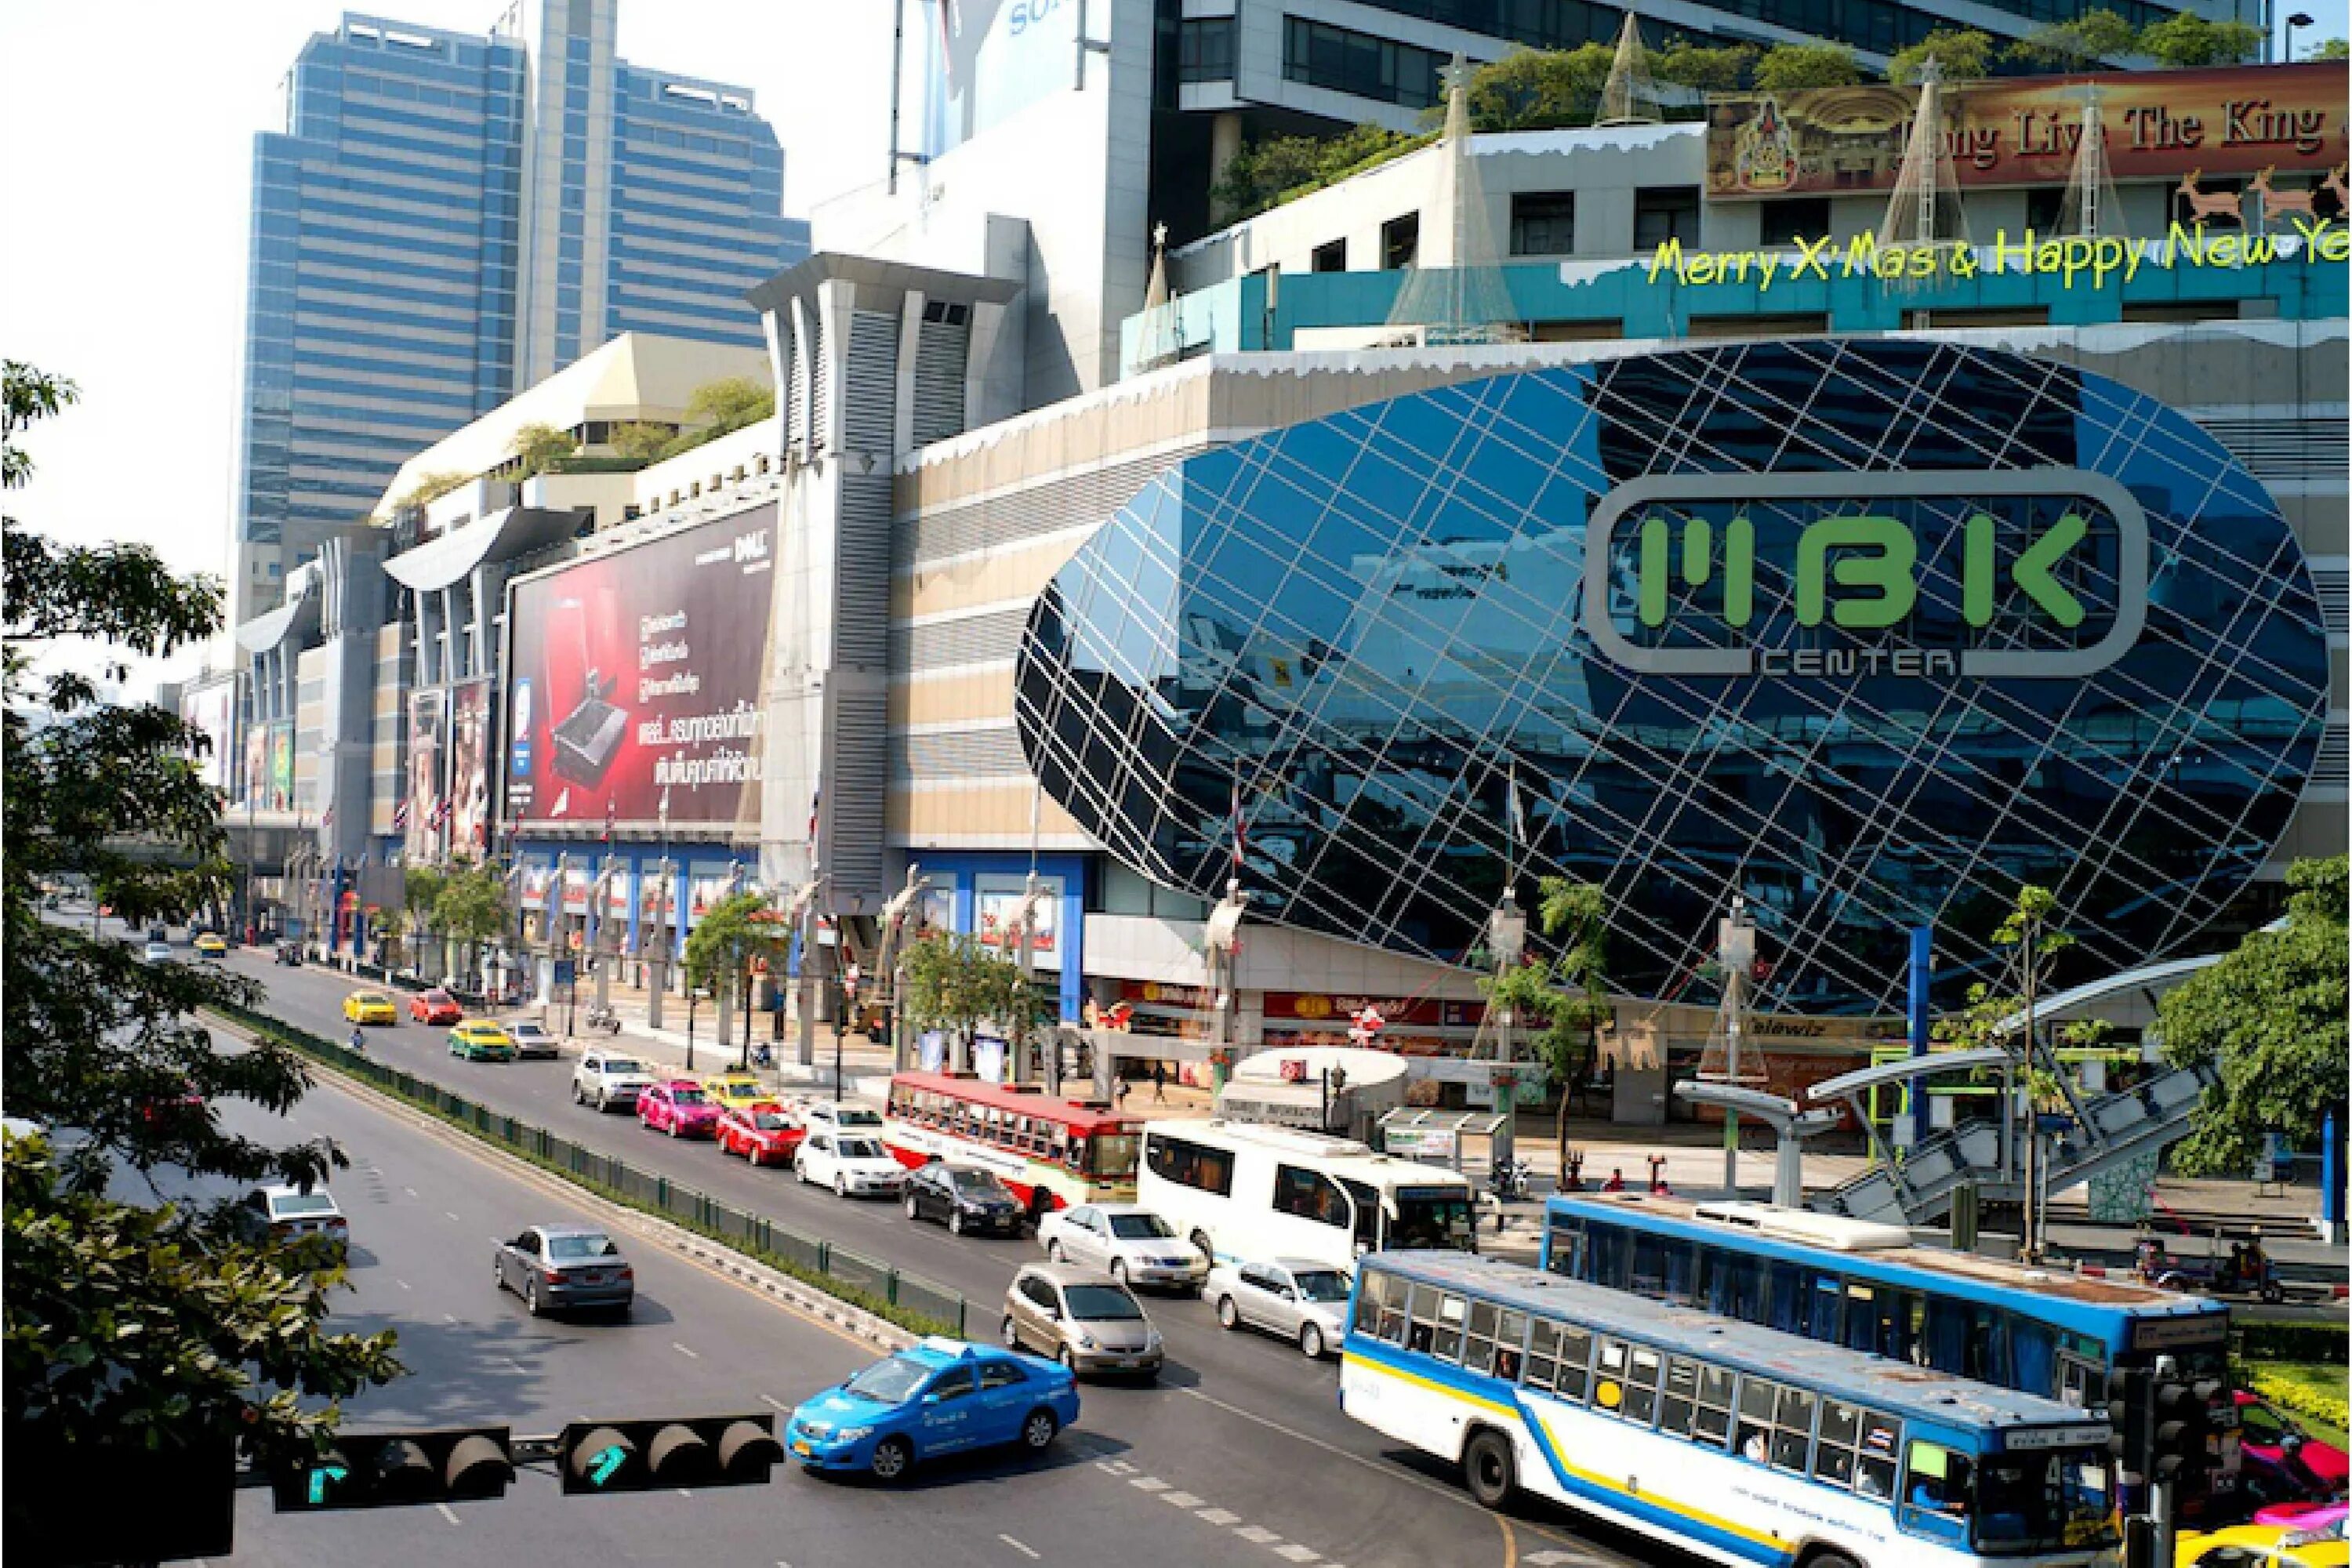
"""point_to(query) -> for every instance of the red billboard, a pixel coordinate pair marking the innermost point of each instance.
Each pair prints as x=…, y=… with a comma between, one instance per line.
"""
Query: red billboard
x=637, y=677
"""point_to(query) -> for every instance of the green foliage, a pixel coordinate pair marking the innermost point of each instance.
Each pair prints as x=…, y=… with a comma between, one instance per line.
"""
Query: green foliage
x=2331, y=50
x=1704, y=70
x=2187, y=40
x=730, y=403
x=1793, y=67
x=2315, y=1391
x=737, y=929
x=954, y=984
x=539, y=447
x=2078, y=45
x=2270, y=1016
x=640, y=441
x=428, y=489
x=1965, y=53
x=124, y=1323
x=471, y=904
x=420, y=892
x=1539, y=90
x=1564, y=995
x=1269, y=173
x=2320, y=1342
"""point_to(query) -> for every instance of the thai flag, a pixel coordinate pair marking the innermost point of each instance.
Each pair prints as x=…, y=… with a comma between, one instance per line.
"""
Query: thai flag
x=400, y=818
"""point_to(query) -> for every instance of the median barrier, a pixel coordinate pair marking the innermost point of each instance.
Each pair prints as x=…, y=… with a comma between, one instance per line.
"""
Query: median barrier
x=914, y=1303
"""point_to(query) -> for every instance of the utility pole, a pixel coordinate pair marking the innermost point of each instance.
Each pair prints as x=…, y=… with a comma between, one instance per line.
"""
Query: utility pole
x=552, y=911
x=661, y=945
x=1025, y=925
x=606, y=950
x=1507, y=942
x=1736, y=954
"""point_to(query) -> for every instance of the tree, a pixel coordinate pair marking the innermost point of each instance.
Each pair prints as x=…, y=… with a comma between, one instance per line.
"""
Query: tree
x=1704, y=70
x=471, y=905
x=1568, y=993
x=539, y=447
x=428, y=489
x=1965, y=55
x=1267, y=172
x=128, y=1324
x=420, y=891
x=2331, y=50
x=1538, y=89
x=955, y=984
x=641, y=441
x=2078, y=45
x=729, y=403
x=730, y=934
x=1793, y=67
x=2270, y=1017
x=2187, y=40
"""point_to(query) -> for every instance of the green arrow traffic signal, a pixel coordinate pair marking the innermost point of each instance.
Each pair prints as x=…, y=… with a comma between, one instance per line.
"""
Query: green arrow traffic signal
x=606, y=1461
x=325, y=1477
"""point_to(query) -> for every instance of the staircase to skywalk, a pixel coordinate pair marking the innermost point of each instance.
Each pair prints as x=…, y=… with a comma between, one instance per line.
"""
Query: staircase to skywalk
x=2115, y=1128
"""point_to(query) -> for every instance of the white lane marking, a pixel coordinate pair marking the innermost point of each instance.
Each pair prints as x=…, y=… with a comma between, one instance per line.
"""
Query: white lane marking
x=1258, y=1534
x=515, y=1364
x=776, y=1403
x=404, y=1284
x=1181, y=1499
x=683, y=1351
x=684, y=1493
x=410, y=1191
x=446, y=1511
x=1149, y=1484
x=449, y=1317
x=1115, y=1466
x=1297, y=1553
x=1220, y=1517
x=1549, y=1558
x=1025, y=1550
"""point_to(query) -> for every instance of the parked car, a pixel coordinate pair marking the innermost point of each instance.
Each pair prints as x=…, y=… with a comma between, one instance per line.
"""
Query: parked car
x=679, y=1108
x=482, y=1041
x=730, y=1090
x=964, y=1198
x=369, y=1008
x=852, y=1165
x=312, y=1220
x=1132, y=1245
x=2264, y=1546
x=609, y=1080
x=532, y=1039
x=553, y=1266
x=762, y=1133
x=157, y=952
x=1301, y=1299
x=936, y=1396
x=210, y=944
x=1088, y=1321
x=434, y=1007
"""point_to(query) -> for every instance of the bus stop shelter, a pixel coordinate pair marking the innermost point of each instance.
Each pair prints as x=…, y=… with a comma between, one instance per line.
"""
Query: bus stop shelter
x=1442, y=1137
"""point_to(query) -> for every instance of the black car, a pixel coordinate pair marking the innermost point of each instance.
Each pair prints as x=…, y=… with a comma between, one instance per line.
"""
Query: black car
x=964, y=1199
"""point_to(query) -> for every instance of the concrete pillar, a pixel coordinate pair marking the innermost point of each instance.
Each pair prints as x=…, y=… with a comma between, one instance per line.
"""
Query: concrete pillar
x=1224, y=145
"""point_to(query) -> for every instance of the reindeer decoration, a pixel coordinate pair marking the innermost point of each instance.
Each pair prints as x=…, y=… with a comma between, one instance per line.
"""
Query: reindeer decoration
x=2333, y=186
x=2281, y=204
x=2203, y=205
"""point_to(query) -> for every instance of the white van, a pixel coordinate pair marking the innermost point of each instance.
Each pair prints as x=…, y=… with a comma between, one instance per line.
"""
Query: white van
x=1243, y=1192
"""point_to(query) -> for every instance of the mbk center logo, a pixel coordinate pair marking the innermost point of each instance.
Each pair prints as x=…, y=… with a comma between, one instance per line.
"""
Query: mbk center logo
x=1865, y=546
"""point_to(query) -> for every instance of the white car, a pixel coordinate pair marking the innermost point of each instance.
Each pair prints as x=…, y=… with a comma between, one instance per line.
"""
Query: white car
x=1132, y=1245
x=609, y=1080
x=839, y=1116
x=853, y=1165
x=159, y=953
x=1298, y=1298
x=532, y=1039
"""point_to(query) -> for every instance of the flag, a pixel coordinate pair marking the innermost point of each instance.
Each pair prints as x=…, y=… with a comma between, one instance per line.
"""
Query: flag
x=816, y=802
x=1518, y=812
x=1240, y=832
x=327, y=819
x=608, y=819
x=400, y=816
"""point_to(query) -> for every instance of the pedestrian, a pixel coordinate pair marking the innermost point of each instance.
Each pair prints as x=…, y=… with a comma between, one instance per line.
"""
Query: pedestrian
x=1160, y=1083
x=1120, y=1092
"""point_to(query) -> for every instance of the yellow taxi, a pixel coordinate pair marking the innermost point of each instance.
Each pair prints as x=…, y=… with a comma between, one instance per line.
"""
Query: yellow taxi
x=482, y=1041
x=2265, y=1546
x=736, y=1090
x=369, y=1007
x=211, y=945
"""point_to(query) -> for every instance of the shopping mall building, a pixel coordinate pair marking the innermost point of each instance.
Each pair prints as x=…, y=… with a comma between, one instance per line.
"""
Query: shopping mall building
x=1864, y=604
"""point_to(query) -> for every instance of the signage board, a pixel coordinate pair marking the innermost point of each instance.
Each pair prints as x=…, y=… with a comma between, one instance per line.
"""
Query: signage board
x=469, y=770
x=428, y=719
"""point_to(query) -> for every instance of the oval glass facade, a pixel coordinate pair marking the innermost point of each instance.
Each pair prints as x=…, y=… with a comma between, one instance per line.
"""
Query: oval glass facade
x=1872, y=632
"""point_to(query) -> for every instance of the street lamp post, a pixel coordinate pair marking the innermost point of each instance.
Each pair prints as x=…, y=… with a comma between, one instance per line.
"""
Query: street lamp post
x=693, y=994
x=661, y=945
x=2299, y=19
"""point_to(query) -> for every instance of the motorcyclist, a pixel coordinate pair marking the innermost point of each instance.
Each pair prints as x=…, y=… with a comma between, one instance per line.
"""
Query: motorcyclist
x=359, y=1039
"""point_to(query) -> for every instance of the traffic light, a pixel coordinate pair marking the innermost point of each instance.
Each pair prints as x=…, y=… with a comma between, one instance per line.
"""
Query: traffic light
x=389, y=1470
x=2184, y=1434
x=2131, y=1394
x=642, y=1456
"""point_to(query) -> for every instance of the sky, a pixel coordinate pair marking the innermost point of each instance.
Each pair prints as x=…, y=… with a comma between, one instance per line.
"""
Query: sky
x=131, y=125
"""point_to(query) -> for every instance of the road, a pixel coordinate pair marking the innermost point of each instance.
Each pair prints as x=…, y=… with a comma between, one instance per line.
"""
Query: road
x=1239, y=1455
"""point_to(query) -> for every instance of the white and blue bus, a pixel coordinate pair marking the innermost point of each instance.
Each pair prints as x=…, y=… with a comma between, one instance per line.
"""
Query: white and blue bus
x=1735, y=1443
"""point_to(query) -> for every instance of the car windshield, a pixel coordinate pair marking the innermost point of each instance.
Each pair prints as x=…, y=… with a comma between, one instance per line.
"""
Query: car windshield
x=860, y=1148
x=436, y=997
x=979, y=1182
x=850, y=1116
x=1434, y=1217
x=770, y=1122
x=690, y=1096
x=1322, y=1284
x=2043, y=1502
x=370, y=999
x=1139, y=1226
x=531, y=1031
x=623, y=1063
x=1102, y=1303
x=303, y=1202
x=572, y=1249
x=891, y=1382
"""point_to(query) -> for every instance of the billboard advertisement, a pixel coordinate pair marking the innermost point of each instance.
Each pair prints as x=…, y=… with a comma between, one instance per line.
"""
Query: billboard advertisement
x=2017, y=131
x=281, y=767
x=997, y=909
x=257, y=766
x=469, y=770
x=210, y=710
x=977, y=63
x=636, y=679
x=427, y=726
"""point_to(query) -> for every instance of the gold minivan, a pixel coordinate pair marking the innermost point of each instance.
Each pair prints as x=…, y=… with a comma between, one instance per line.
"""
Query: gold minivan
x=1088, y=1321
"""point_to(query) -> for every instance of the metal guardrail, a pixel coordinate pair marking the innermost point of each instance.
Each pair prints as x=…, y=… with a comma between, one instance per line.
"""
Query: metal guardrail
x=752, y=1232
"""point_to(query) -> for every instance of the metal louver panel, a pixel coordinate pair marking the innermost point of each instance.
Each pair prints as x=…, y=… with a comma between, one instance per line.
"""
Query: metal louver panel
x=940, y=350
x=1047, y=508
x=2272, y=447
x=992, y=752
x=2332, y=769
x=2335, y=587
x=861, y=616
x=820, y=384
x=989, y=637
x=795, y=403
x=854, y=786
x=869, y=393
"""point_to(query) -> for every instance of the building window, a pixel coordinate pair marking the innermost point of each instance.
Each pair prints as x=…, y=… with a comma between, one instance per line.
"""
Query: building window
x=1204, y=50
x=1331, y=257
x=1400, y=242
x=1785, y=223
x=1664, y=214
x=1317, y=55
x=2045, y=208
x=1543, y=223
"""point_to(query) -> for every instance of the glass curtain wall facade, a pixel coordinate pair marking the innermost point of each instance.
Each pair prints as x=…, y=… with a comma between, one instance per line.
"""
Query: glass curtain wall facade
x=1872, y=633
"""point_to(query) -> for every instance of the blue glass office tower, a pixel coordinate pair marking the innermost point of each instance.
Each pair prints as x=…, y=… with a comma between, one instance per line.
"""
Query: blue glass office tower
x=450, y=218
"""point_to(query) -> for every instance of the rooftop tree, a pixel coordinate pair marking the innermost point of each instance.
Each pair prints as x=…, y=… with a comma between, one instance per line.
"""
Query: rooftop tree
x=1793, y=67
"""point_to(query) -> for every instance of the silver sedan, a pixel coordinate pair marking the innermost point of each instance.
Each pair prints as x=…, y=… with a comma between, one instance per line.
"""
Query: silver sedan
x=1298, y=1298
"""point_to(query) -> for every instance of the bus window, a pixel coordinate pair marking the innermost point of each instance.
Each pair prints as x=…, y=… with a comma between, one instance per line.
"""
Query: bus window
x=1368, y=1214
x=1733, y=1287
x=1575, y=1363
x=1510, y=1334
x=1833, y=1450
x=1821, y=1308
x=1649, y=1263
x=1421, y=1334
x=2044, y=1503
x=1447, y=1345
x=1642, y=1387
x=1309, y=1195
x=1610, y=1263
x=1564, y=1248
x=1882, y=1440
x=1793, y=1429
x=1711, y=1423
x=1478, y=1345
x=1434, y=1217
x=1788, y=1298
x=1380, y=1308
x=1938, y=1484
x=1543, y=1353
x=1681, y=1400
x=1173, y=1159
x=1757, y=1400
x=2033, y=1354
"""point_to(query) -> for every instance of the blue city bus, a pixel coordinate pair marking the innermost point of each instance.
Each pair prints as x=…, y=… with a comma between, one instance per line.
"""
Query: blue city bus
x=1871, y=1288
x=1735, y=1443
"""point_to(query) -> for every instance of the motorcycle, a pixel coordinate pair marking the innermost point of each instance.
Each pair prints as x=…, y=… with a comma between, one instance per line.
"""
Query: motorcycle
x=1508, y=1180
x=604, y=1018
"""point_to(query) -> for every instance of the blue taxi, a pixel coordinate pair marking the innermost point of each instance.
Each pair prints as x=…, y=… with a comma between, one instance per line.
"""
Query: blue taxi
x=936, y=1396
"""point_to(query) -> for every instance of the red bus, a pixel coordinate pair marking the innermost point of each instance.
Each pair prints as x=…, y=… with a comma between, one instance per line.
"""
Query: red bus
x=1051, y=1152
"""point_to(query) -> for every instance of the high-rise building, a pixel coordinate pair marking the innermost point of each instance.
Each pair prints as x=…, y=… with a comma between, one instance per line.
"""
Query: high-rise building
x=448, y=216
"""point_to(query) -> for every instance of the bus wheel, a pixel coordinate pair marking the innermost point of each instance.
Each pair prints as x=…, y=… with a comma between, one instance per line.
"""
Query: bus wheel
x=1830, y=1559
x=1487, y=1468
